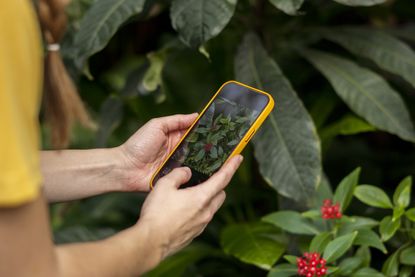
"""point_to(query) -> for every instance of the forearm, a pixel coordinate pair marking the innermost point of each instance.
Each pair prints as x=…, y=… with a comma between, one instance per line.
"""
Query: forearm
x=75, y=174
x=26, y=239
x=129, y=253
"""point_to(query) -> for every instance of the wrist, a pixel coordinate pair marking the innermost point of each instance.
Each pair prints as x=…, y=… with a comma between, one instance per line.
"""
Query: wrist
x=131, y=175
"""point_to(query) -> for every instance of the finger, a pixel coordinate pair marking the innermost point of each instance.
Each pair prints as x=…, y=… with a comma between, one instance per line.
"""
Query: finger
x=176, y=122
x=221, y=179
x=176, y=177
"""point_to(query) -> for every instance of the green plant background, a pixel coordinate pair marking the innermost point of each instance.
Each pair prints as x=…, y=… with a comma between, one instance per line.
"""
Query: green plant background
x=343, y=76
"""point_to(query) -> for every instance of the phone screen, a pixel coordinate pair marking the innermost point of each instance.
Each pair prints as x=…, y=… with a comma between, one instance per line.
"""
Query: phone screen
x=217, y=132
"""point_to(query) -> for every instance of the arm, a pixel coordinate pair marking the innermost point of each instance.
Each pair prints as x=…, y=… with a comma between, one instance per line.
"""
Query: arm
x=27, y=248
x=31, y=253
x=75, y=174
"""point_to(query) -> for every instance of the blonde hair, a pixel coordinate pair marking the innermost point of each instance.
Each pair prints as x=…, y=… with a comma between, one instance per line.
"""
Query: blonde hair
x=62, y=104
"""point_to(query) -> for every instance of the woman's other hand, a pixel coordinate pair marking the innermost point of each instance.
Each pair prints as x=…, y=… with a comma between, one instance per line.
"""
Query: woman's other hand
x=173, y=216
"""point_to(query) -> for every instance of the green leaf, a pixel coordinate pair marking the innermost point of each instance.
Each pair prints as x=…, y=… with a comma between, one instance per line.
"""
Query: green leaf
x=111, y=114
x=349, y=265
x=283, y=270
x=391, y=265
x=364, y=253
x=347, y=125
x=388, y=227
x=197, y=21
x=407, y=256
x=373, y=196
x=337, y=247
x=367, y=272
x=152, y=77
x=291, y=259
x=383, y=49
x=292, y=222
x=312, y=214
x=360, y=2
x=366, y=93
x=406, y=271
x=287, y=146
x=319, y=242
x=323, y=192
x=353, y=223
x=367, y=237
x=176, y=265
x=290, y=7
x=398, y=212
x=402, y=195
x=344, y=192
x=100, y=23
x=253, y=243
x=410, y=214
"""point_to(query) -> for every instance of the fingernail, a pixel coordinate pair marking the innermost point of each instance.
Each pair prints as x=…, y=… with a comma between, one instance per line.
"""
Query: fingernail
x=189, y=171
x=240, y=159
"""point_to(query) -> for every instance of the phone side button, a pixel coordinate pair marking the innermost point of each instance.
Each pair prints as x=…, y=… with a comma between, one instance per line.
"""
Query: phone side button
x=250, y=135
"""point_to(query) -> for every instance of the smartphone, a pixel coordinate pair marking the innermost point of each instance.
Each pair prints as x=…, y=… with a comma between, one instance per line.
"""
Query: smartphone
x=222, y=130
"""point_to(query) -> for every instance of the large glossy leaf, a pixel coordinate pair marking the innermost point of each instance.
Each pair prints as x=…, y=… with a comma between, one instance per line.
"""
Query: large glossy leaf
x=176, y=265
x=254, y=243
x=197, y=21
x=366, y=93
x=286, y=147
x=290, y=7
x=292, y=222
x=386, y=51
x=100, y=23
x=360, y=2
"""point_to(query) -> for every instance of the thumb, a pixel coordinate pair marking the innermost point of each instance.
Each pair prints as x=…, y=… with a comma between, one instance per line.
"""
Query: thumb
x=176, y=177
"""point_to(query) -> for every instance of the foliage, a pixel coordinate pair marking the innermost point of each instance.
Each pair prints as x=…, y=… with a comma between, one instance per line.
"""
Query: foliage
x=342, y=73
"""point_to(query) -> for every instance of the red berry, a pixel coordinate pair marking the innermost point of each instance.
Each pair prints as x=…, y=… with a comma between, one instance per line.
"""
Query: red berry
x=208, y=146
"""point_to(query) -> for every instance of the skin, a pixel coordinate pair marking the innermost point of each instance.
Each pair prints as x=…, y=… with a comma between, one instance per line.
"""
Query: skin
x=76, y=174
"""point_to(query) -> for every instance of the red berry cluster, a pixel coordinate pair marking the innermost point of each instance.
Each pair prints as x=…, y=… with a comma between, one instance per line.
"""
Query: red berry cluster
x=330, y=211
x=311, y=265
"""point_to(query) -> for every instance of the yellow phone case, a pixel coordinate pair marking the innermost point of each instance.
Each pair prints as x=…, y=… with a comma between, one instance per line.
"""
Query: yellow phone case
x=244, y=141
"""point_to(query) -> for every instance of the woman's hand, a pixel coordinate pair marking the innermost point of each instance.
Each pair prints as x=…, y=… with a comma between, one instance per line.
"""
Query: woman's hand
x=173, y=216
x=145, y=151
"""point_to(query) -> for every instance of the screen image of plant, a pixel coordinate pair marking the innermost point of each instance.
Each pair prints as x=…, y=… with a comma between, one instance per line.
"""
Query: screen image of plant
x=217, y=133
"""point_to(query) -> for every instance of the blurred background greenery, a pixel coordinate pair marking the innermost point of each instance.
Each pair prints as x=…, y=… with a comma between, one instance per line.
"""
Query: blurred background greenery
x=148, y=68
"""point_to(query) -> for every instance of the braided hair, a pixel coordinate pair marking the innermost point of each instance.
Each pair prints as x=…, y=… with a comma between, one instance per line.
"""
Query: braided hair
x=62, y=104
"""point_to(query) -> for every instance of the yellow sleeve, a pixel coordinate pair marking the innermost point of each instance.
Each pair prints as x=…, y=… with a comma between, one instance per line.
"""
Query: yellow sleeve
x=20, y=89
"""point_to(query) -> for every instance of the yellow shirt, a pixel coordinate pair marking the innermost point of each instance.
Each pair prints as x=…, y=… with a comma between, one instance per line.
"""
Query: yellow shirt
x=20, y=91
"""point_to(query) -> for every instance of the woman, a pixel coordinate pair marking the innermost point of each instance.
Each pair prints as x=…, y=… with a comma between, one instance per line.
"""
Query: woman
x=170, y=217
